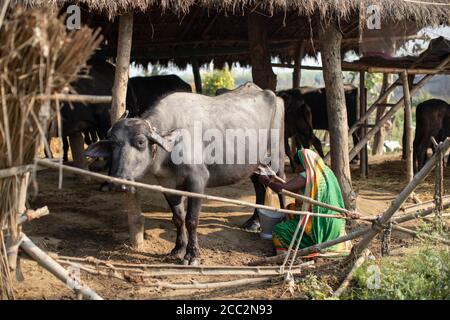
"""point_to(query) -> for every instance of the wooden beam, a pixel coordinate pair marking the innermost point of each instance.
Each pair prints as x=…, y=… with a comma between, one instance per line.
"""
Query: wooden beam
x=119, y=93
x=330, y=40
x=262, y=72
x=197, y=76
x=179, y=52
x=408, y=146
x=363, y=155
x=346, y=66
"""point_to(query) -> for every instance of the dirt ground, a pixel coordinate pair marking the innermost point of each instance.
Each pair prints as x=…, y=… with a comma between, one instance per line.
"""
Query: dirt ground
x=87, y=222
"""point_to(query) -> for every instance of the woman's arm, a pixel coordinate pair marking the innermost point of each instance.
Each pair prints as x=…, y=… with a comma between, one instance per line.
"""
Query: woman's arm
x=293, y=185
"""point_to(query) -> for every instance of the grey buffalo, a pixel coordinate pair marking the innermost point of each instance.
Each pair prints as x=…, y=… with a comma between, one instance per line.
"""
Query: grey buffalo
x=153, y=144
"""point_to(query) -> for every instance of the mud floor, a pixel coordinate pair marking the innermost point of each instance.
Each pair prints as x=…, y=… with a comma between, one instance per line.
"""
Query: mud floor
x=87, y=222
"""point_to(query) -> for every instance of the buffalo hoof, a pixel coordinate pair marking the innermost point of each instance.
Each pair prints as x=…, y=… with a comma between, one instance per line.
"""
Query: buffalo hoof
x=178, y=253
x=251, y=225
x=106, y=186
x=194, y=262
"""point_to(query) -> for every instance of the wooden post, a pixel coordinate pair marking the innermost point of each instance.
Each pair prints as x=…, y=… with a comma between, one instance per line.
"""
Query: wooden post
x=136, y=220
x=363, y=156
x=119, y=93
x=197, y=77
x=378, y=141
x=262, y=72
x=296, y=74
x=330, y=42
x=408, y=146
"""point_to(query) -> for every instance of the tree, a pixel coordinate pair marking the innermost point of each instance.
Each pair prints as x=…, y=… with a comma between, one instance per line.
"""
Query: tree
x=216, y=80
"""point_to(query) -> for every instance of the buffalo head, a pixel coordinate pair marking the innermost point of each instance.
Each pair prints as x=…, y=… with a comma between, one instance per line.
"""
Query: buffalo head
x=131, y=145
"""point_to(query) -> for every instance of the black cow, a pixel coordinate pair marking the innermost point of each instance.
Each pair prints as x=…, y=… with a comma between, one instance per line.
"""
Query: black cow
x=298, y=123
x=432, y=120
x=92, y=120
x=148, y=90
x=317, y=100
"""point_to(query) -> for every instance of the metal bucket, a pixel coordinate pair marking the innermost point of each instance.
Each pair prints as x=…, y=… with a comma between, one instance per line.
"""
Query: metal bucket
x=268, y=219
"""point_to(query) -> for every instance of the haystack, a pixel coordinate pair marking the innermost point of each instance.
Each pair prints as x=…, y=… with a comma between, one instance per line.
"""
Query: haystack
x=38, y=57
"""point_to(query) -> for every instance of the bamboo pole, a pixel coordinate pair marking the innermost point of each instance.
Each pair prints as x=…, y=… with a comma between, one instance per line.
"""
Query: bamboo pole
x=147, y=271
x=56, y=269
x=16, y=171
x=213, y=285
x=84, y=98
x=33, y=214
x=363, y=156
x=417, y=234
x=372, y=108
x=339, y=291
x=402, y=197
x=326, y=205
x=119, y=92
x=408, y=147
x=157, y=188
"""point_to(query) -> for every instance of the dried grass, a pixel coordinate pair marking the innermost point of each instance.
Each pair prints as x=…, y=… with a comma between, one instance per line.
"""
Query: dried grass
x=398, y=10
x=37, y=56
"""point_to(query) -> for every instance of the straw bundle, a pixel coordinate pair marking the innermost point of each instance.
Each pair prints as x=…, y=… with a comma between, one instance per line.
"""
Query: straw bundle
x=38, y=56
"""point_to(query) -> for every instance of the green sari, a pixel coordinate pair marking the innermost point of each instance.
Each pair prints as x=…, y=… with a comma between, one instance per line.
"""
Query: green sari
x=321, y=185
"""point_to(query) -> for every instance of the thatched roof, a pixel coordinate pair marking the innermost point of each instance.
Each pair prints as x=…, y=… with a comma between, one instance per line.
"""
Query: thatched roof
x=182, y=30
x=420, y=11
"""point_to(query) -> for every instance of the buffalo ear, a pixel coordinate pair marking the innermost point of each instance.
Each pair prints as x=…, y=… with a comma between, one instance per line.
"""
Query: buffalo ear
x=100, y=149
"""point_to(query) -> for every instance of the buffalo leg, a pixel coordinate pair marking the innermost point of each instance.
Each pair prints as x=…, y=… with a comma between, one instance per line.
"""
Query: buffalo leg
x=252, y=224
x=422, y=153
x=176, y=204
x=289, y=153
x=281, y=197
x=77, y=146
x=192, y=256
x=65, y=142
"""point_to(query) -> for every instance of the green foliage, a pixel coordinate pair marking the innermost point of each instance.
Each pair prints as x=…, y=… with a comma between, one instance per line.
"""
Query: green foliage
x=314, y=288
x=424, y=275
x=216, y=80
